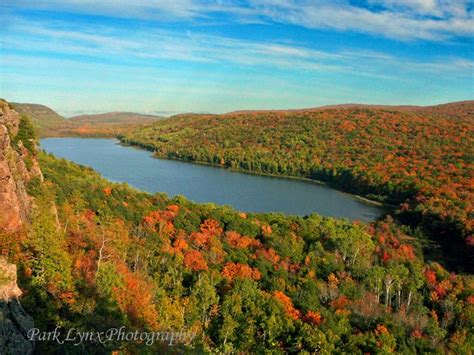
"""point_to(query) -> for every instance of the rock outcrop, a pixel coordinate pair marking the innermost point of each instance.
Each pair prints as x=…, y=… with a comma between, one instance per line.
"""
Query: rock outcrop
x=14, y=321
x=17, y=167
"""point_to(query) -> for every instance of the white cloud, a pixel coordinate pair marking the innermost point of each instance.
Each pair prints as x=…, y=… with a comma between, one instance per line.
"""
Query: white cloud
x=393, y=20
x=396, y=19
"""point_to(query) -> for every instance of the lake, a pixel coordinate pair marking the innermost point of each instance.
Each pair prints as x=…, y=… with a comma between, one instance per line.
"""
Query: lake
x=200, y=183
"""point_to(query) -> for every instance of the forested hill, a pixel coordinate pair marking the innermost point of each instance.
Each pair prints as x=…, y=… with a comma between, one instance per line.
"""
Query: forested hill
x=419, y=158
x=93, y=255
x=49, y=123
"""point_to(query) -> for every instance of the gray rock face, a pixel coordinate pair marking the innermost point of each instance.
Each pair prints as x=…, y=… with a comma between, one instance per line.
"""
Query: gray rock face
x=14, y=327
x=14, y=321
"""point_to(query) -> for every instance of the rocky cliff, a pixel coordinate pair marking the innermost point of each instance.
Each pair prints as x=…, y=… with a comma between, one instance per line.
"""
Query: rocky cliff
x=18, y=166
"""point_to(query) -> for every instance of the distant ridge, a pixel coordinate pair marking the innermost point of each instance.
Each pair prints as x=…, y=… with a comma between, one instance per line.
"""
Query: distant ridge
x=108, y=124
x=402, y=108
x=113, y=118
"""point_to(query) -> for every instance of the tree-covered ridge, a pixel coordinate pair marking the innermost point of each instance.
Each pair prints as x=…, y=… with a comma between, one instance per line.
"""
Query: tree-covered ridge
x=417, y=158
x=242, y=282
x=450, y=109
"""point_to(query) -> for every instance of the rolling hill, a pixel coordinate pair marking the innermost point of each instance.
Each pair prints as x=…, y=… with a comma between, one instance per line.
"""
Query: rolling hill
x=113, y=118
x=48, y=122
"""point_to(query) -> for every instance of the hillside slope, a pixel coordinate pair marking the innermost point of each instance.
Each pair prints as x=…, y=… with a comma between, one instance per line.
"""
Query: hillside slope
x=416, y=157
x=42, y=117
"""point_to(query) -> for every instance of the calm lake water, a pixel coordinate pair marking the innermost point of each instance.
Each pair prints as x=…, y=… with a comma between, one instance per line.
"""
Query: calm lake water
x=199, y=183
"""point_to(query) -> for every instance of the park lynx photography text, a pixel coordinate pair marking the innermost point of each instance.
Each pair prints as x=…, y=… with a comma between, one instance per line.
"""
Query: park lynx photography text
x=78, y=337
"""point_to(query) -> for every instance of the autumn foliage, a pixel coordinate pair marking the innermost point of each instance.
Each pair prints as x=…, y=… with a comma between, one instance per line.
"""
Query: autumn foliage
x=252, y=284
x=313, y=318
x=195, y=261
x=287, y=304
x=237, y=270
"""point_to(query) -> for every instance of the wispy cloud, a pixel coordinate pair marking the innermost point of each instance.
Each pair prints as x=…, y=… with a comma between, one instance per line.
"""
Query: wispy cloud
x=437, y=8
x=433, y=20
x=390, y=19
x=162, y=10
x=147, y=45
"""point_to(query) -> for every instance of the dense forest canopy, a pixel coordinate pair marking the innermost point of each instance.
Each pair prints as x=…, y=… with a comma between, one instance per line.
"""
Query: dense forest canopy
x=244, y=282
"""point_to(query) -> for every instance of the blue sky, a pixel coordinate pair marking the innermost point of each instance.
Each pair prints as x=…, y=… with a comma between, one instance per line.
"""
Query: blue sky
x=164, y=57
